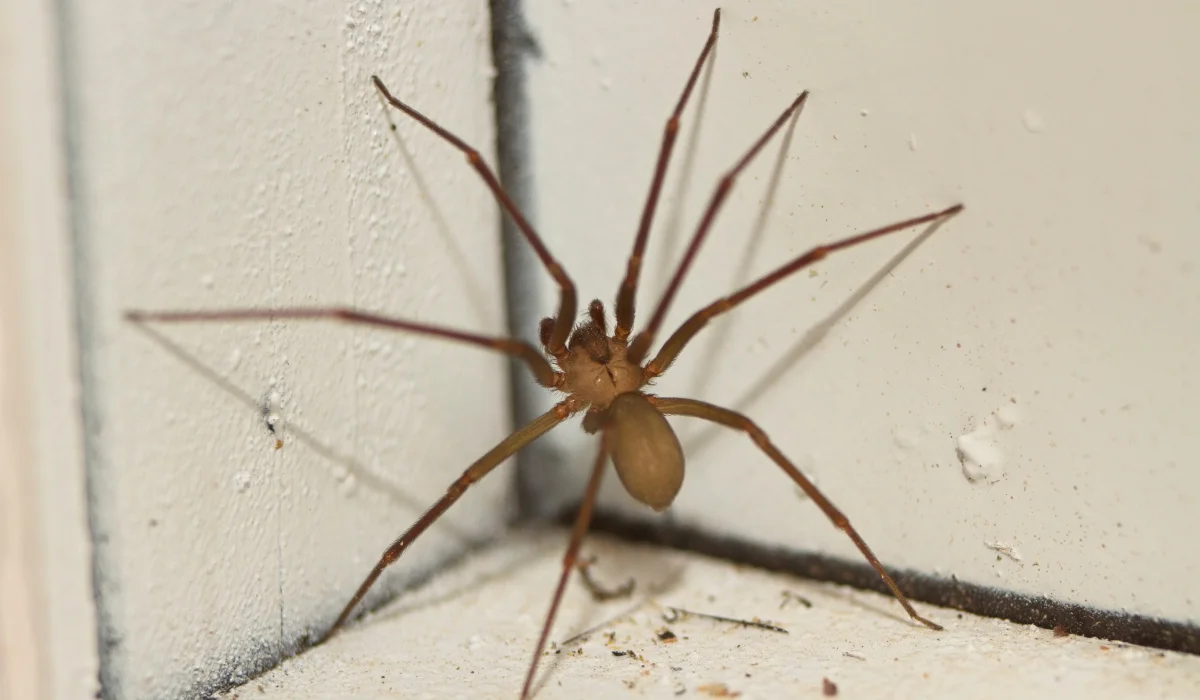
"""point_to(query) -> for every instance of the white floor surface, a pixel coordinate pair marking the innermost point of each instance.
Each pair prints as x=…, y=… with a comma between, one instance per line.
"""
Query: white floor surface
x=469, y=633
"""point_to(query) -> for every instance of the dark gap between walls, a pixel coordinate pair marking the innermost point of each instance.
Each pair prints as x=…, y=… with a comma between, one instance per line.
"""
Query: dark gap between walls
x=512, y=47
x=1042, y=611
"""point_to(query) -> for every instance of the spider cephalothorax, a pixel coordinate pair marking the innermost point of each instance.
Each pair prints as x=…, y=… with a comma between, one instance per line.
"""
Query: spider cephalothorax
x=595, y=366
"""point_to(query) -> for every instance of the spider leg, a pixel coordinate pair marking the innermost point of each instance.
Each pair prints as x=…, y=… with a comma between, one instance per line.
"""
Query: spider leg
x=505, y=449
x=737, y=421
x=582, y=520
x=567, y=301
x=680, y=338
x=542, y=371
x=642, y=342
x=627, y=294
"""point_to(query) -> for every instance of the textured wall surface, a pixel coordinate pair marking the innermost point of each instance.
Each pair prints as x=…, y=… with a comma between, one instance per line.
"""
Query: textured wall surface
x=236, y=155
x=1010, y=401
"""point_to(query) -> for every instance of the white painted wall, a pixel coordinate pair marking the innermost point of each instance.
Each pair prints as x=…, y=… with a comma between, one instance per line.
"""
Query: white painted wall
x=1053, y=327
x=236, y=154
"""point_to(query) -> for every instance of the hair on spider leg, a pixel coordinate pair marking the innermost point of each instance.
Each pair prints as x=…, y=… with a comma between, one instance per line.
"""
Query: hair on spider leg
x=601, y=372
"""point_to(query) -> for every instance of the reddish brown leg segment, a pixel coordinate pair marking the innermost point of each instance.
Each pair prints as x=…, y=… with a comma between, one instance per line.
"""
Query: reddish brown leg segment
x=737, y=421
x=675, y=344
x=567, y=301
x=542, y=371
x=582, y=520
x=641, y=344
x=507, y=447
x=596, y=313
x=627, y=294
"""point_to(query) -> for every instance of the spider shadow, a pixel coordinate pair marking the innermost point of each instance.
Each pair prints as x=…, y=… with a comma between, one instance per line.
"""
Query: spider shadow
x=654, y=579
x=673, y=224
x=814, y=336
x=423, y=596
x=724, y=325
x=353, y=467
x=646, y=567
x=880, y=610
x=477, y=297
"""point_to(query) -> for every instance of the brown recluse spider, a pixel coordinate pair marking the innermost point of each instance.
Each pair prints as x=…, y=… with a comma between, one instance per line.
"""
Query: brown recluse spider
x=602, y=374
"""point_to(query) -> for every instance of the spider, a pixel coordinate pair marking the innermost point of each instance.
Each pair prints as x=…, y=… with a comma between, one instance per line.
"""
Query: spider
x=603, y=374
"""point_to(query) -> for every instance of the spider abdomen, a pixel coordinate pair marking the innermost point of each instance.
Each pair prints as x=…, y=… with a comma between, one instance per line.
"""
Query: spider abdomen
x=645, y=450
